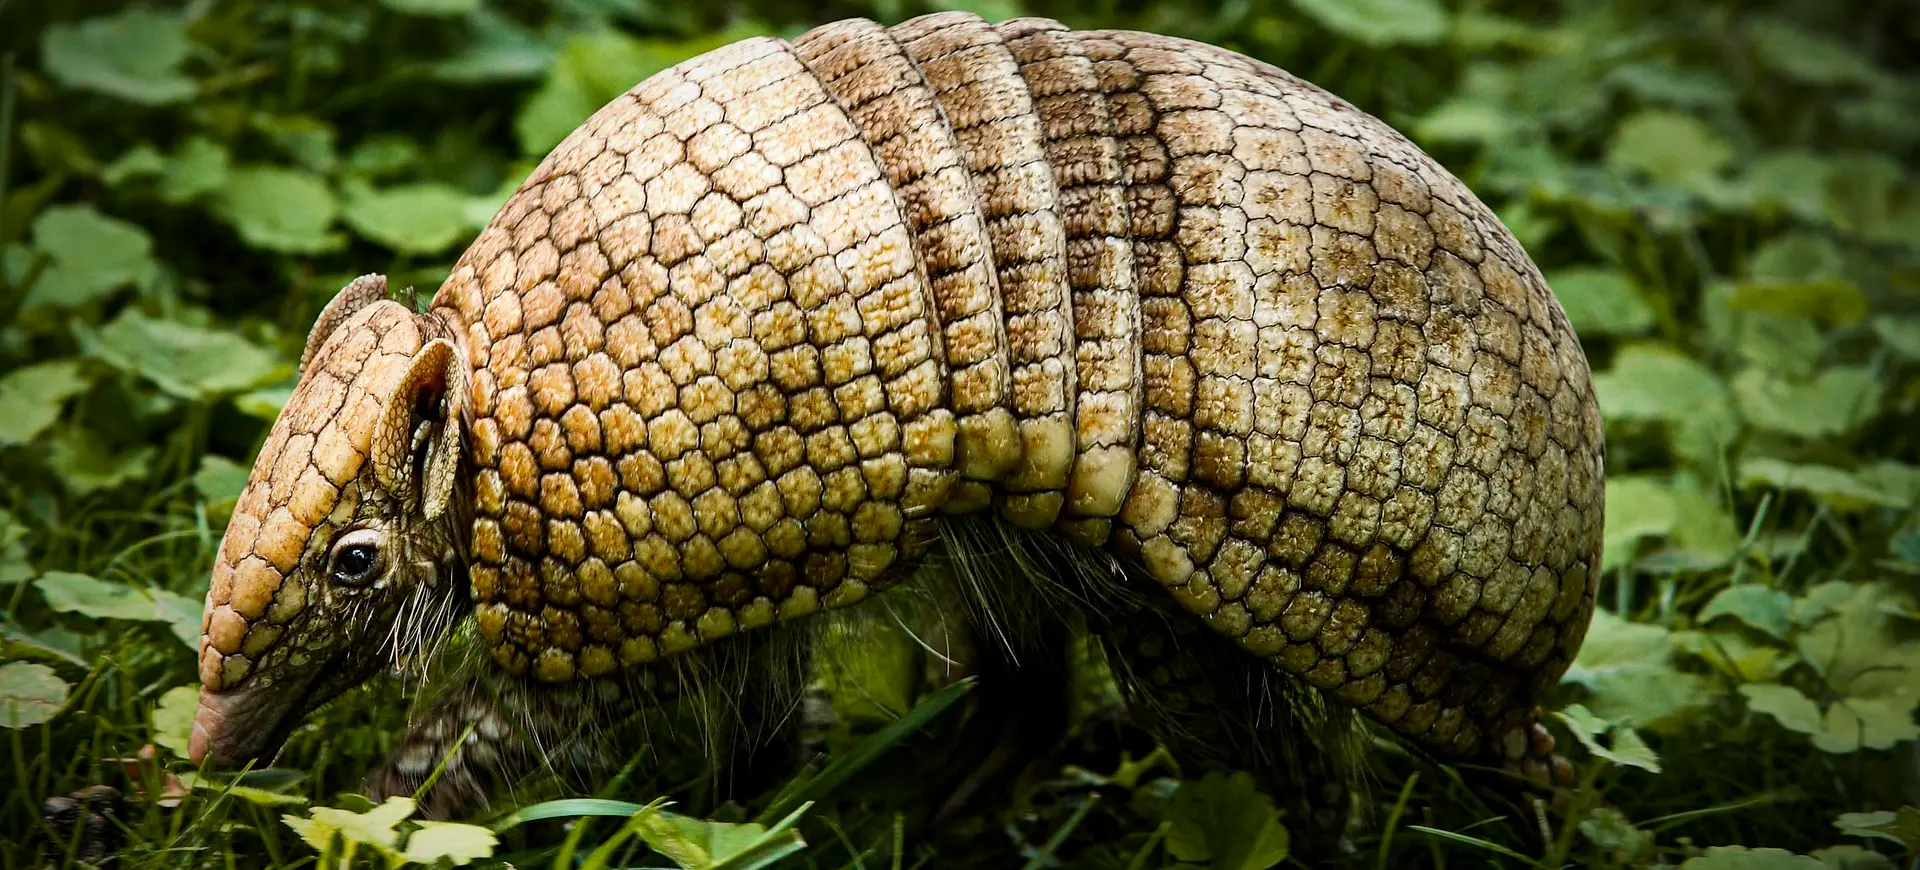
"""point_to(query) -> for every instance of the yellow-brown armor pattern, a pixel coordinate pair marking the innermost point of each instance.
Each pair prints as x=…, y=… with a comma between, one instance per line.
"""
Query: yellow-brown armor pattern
x=745, y=337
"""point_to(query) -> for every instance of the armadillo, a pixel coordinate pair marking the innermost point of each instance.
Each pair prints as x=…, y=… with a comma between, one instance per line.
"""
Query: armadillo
x=750, y=342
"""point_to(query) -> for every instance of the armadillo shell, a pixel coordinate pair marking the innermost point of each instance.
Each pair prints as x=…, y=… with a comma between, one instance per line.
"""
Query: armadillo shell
x=746, y=335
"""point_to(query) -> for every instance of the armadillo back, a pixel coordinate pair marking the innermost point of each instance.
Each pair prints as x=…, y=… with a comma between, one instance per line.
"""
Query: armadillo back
x=746, y=336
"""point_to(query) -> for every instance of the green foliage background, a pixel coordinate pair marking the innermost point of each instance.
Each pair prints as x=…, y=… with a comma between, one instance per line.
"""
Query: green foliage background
x=1723, y=194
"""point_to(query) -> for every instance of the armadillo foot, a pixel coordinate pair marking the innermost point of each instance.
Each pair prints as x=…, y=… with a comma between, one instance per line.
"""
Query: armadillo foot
x=1528, y=750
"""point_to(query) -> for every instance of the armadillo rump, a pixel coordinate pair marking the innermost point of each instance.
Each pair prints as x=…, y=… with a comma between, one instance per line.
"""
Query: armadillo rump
x=1285, y=404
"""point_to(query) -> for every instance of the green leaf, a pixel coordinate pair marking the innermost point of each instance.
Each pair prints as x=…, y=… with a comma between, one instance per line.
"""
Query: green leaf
x=1860, y=645
x=173, y=718
x=435, y=8
x=498, y=49
x=67, y=592
x=1804, y=53
x=1795, y=181
x=383, y=155
x=1838, y=488
x=1800, y=274
x=54, y=644
x=1657, y=383
x=414, y=219
x=1601, y=301
x=14, y=566
x=78, y=593
x=279, y=209
x=1467, y=118
x=375, y=827
x=134, y=55
x=1902, y=826
x=1864, y=198
x=219, y=481
x=1901, y=334
x=92, y=255
x=1831, y=300
x=1608, y=829
x=264, y=403
x=1735, y=652
x=86, y=464
x=1626, y=668
x=596, y=66
x=457, y=843
x=1669, y=146
x=1660, y=81
x=1224, y=822
x=141, y=161
x=1380, y=22
x=1786, y=704
x=199, y=168
x=310, y=141
x=1703, y=530
x=31, y=398
x=1743, y=858
x=1626, y=746
x=698, y=844
x=29, y=694
x=1852, y=724
x=1758, y=606
x=1852, y=858
x=190, y=362
x=1637, y=508
x=1836, y=401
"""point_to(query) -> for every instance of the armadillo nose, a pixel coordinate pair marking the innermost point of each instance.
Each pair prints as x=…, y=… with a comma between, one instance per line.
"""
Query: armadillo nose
x=208, y=725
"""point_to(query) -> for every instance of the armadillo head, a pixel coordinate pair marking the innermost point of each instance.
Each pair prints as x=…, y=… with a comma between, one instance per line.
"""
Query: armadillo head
x=350, y=519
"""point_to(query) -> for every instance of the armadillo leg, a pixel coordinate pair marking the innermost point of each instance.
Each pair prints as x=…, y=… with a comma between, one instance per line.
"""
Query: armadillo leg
x=1215, y=708
x=1014, y=720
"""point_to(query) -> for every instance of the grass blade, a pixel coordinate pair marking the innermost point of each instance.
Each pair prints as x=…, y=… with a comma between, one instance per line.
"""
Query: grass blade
x=801, y=792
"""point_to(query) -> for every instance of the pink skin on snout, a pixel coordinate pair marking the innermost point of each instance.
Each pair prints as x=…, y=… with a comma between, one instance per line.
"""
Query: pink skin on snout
x=233, y=727
x=207, y=724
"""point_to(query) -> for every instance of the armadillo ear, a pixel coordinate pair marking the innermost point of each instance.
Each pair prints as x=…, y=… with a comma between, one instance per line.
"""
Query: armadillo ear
x=359, y=293
x=416, y=445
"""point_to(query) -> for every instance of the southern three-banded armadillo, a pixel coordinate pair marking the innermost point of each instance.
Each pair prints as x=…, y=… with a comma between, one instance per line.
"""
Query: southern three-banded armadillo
x=759, y=335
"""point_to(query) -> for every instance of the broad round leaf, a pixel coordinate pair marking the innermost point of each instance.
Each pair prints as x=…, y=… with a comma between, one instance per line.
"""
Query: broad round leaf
x=1669, y=146
x=1743, y=858
x=414, y=219
x=135, y=55
x=190, y=362
x=92, y=255
x=1601, y=301
x=31, y=398
x=458, y=843
x=173, y=719
x=1380, y=22
x=436, y=8
x=1807, y=55
x=1222, y=821
x=595, y=67
x=1786, y=704
x=29, y=694
x=1637, y=508
x=281, y=209
x=1853, y=724
x=1838, y=488
x=1626, y=668
x=198, y=168
x=1760, y=607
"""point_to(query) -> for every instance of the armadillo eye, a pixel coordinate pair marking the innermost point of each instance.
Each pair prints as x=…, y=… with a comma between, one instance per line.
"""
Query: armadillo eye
x=356, y=557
